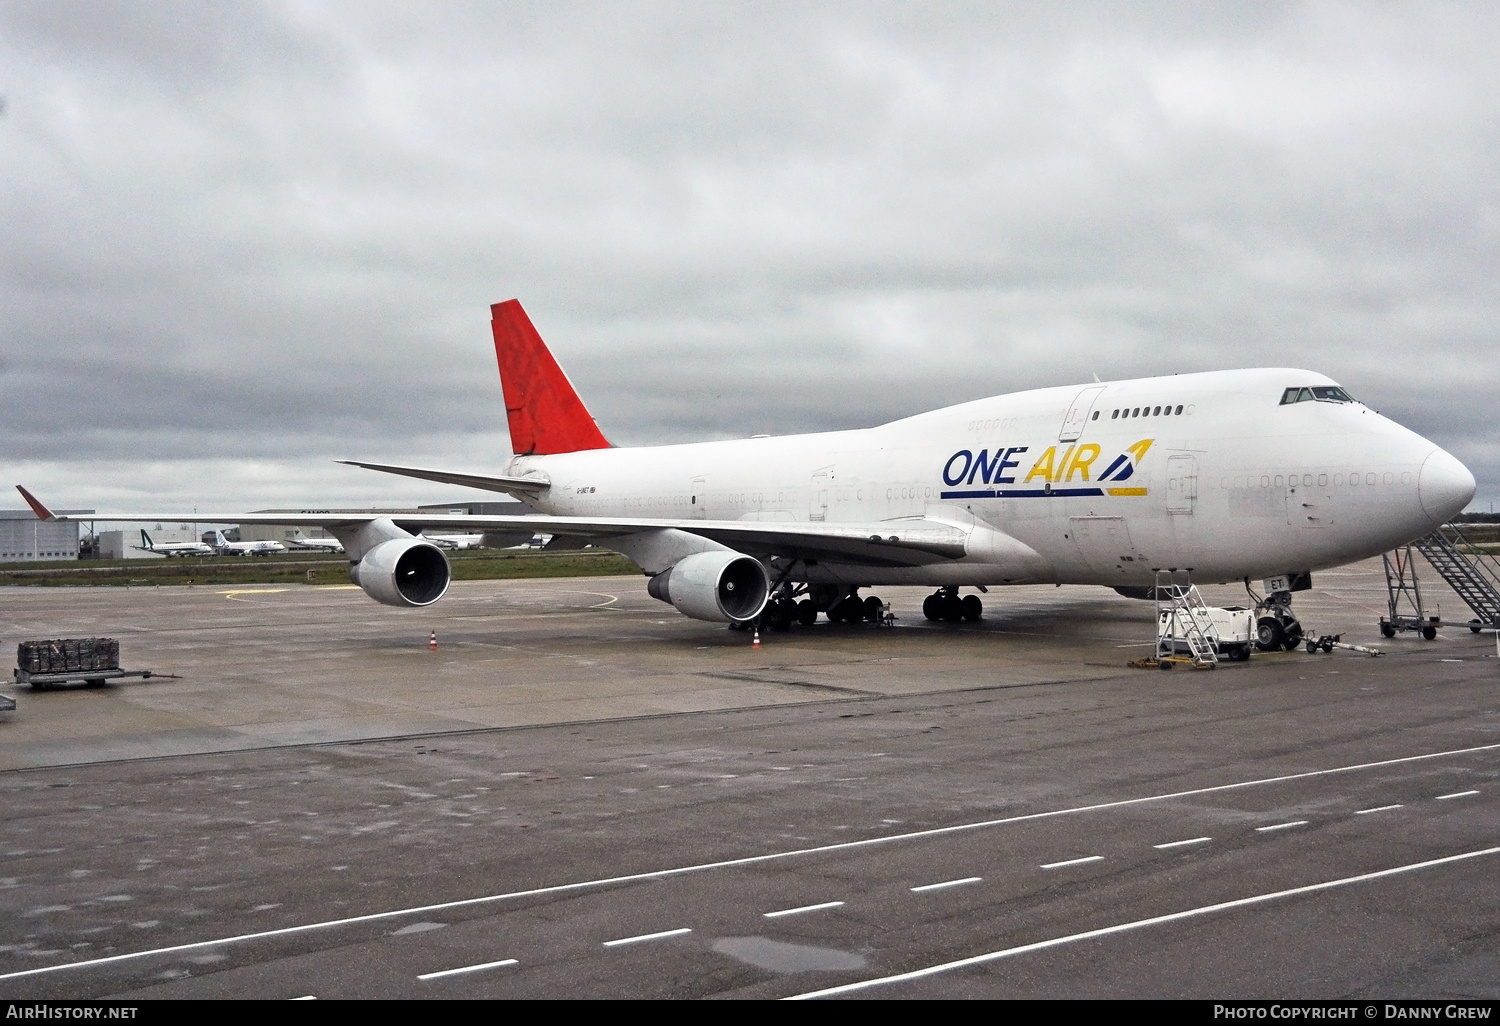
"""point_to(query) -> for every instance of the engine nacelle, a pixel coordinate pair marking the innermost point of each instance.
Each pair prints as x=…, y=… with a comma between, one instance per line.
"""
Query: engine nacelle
x=725, y=587
x=403, y=572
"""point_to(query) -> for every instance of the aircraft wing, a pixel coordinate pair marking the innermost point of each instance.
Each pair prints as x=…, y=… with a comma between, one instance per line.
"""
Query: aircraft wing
x=908, y=542
x=523, y=486
x=890, y=543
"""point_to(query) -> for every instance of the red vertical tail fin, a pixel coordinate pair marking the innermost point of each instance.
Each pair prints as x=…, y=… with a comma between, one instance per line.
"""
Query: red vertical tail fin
x=546, y=416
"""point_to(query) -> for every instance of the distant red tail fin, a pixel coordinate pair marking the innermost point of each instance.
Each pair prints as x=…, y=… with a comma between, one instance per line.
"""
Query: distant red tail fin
x=546, y=416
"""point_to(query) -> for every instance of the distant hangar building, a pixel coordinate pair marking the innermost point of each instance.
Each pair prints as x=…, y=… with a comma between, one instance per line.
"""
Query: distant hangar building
x=24, y=538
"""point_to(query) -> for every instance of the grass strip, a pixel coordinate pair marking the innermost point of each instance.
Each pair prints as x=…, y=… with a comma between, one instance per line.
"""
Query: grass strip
x=302, y=568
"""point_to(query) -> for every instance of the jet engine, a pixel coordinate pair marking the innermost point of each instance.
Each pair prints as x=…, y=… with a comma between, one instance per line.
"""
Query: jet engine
x=722, y=586
x=403, y=572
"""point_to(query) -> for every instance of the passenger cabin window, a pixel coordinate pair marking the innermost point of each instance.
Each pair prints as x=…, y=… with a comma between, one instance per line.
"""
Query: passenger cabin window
x=1320, y=393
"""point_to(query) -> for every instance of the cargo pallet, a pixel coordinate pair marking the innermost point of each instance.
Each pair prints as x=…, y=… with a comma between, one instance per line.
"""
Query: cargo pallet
x=86, y=661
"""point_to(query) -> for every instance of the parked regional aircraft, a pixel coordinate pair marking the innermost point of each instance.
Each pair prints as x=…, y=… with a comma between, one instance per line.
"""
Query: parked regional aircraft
x=170, y=549
x=1235, y=475
x=226, y=547
x=316, y=544
x=454, y=541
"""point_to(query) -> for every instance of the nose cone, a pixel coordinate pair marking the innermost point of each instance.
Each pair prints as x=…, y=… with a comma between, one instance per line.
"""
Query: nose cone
x=1444, y=487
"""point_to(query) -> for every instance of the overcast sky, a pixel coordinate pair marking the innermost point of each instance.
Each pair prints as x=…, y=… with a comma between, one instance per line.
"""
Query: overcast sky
x=239, y=240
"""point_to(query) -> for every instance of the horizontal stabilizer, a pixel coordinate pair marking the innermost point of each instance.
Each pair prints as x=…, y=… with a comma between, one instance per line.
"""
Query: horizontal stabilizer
x=530, y=486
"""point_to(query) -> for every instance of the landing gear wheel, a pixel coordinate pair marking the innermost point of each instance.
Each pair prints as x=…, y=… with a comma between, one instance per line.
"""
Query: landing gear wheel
x=779, y=615
x=932, y=607
x=1293, y=631
x=1428, y=633
x=973, y=608
x=953, y=608
x=1269, y=636
x=807, y=613
x=873, y=606
x=849, y=610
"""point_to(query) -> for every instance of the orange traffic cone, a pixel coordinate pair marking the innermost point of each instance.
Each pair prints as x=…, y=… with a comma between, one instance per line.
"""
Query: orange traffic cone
x=756, y=644
x=432, y=642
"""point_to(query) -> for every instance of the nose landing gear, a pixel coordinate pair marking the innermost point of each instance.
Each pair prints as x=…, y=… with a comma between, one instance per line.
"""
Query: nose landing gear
x=1276, y=626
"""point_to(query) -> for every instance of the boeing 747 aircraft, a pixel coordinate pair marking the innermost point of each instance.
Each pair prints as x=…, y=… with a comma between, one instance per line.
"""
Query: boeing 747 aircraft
x=1237, y=475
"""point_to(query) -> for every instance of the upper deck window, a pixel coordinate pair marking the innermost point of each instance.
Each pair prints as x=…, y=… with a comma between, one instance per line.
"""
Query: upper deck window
x=1320, y=393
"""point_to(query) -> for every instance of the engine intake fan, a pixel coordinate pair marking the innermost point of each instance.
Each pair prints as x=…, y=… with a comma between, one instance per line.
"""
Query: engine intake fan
x=403, y=572
x=723, y=587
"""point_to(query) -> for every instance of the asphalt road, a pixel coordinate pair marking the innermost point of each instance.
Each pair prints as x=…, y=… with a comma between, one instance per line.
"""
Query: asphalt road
x=1001, y=810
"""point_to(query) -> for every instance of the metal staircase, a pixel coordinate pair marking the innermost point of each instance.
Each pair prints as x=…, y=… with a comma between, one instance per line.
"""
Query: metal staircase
x=1180, y=616
x=1474, y=576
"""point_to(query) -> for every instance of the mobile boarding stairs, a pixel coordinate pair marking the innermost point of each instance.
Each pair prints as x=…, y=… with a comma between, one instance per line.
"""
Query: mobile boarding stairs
x=1474, y=575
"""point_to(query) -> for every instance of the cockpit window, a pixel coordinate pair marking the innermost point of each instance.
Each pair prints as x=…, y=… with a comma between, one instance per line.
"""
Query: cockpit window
x=1321, y=393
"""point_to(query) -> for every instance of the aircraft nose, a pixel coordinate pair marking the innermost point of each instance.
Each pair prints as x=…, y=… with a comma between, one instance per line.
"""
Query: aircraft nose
x=1444, y=487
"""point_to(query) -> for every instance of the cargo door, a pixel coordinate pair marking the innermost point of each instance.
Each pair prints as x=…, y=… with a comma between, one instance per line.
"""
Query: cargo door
x=1105, y=545
x=1078, y=414
x=817, y=508
x=1182, y=484
x=1309, y=503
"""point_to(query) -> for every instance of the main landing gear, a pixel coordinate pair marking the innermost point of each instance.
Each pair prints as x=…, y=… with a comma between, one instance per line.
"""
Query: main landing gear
x=802, y=604
x=853, y=609
x=945, y=604
x=1276, y=626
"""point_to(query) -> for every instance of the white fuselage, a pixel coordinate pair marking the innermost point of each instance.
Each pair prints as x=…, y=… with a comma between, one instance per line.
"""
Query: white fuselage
x=1060, y=487
x=455, y=541
x=317, y=544
x=255, y=548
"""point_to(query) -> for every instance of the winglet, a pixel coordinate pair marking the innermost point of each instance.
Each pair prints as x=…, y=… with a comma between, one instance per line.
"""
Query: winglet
x=42, y=512
x=545, y=414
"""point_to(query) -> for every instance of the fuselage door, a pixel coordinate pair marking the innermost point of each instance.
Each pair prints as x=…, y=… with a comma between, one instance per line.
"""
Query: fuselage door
x=1105, y=545
x=698, y=499
x=1182, y=484
x=817, y=508
x=1078, y=414
x=1308, y=500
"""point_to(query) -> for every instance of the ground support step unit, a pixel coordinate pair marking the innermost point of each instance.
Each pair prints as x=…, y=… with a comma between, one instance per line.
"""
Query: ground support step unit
x=63, y=661
x=1473, y=576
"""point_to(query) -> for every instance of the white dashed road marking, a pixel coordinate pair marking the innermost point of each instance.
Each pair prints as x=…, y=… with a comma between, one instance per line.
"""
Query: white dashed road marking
x=598, y=883
x=1455, y=794
x=1182, y=844
x=803, y=908
x=1074, y=862
x=946, y=883
x=1281, y=826
x=1204, y=910
x=467, y=969
x=1378, y=808
x=647, y=937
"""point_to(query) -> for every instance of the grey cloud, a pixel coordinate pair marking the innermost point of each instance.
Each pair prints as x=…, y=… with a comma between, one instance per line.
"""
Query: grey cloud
x=238, y=233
